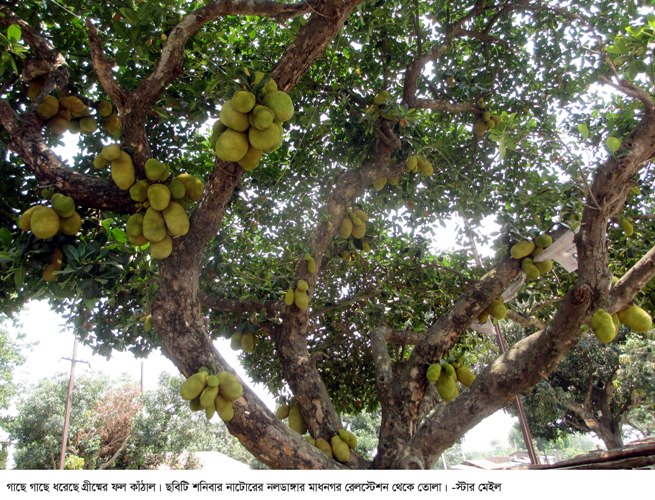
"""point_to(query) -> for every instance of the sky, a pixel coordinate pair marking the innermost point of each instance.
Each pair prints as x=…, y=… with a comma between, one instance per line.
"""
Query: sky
x=51, y=343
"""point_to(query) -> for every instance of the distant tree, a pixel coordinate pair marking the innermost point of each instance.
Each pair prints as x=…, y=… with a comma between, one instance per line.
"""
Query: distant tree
x=10, y=358
x=167, y=427
x=597, y=390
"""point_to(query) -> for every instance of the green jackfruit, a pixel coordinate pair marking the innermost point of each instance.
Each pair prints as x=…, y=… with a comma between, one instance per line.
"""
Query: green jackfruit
x=63, y=205
x=296, y=421
x=522, y=249
x=24, y=221
x=340, y=449
x=359, y=232
x=465, y=375
x=280, y=103
x=177, y=189
x=232, y=145
x=235, y=341
x=251, y=159
x=159, y=196
x=497, y=309
x=122, y=171
x=346, y=227
x=301, y=299
x=44, y=222
x=425, y=167
x=207, y=396
x=302, y=285
x=379, y=184
x=111, y=152
x=134, y=225
x=48, y=107
x=233, y=118
x=411, y=164
x=104, y=108
x=603, y=326
x=433, y=372
x=154, y=169
x=267, y=139
x=243, y=101
x=531, y=271
x=224, y=408
x=192, y=185
x=447, y=387
x=543, y=241
x=193, y=386
x=88, y=125
x=248, y=342
x=324, y=446
x=70, y=225
x=636, y=318
x=348, y=437
x=289, y=297
x=229, y=385
x=139, y=190
x=154, y=225
x=261, y=117
x=282, y=412
x=161, y=249
x=177, y=221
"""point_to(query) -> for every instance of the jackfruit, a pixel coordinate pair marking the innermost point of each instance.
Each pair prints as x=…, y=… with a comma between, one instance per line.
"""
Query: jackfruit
x=248, y=342
x=301, y=299
x=88, y=125
x=379, y=184
x=497, y=309
x=70, y=225
x=177, y=189
x=230, y=387
x=134, y=225
x=544, y=266
x=636, y=318
x=280, y=103
x=251, y=159
x=425, y=167
x=210, y=411
x=63, y=205
x=261, y=117
x=139, y=190
x=603, y=327
x=243, y=101
x=302, y=285
x=224, y=408
x=177, y=221
x=192, y=185
x=154, y=169
x=161, y=249
x=48, y=107
x=75, y=105
x=543, y=241
x=465, y=375
x=122, y=171
x=626, y=225
x=48, y=273
x=194, y=404
x=58, y=125
x=24, y=221
x=296, y=421
x=147, y=323
x=348, y=437
x=208, y=395
x=232, y=145
x=111, y=152
x=324, y=446
x=447, y=387
x=531, y=271
x=269, y=86
x=154, y=226
x=44, y=222
x=289, y=297
x=282, y=412
x=411, y=164
x=479, y=128
x=381, y=97
x=346, y=227
x=159, y=196
x=193, y=386
x=99, y=162
x=267, y=139
x=217, y=129
x=448, y=370
x=235, y=341
x=433, y=372
x=311, y=264
x=340, y=449
x=104, y=108
x=234, y=119
x=112, y=125
x=522, y=249
x=359, y=232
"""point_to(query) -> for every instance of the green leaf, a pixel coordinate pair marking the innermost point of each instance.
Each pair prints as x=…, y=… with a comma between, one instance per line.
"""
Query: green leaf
x=14, y=33
x=584, y=130
x=613, y=144
x=19, y=276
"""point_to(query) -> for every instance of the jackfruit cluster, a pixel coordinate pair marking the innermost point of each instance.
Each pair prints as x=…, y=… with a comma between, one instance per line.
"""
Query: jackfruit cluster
x=353, y=224
x=497, y=310
x=70, y=113
x=486, y=121
x=417, y=163
x=445, y=376
x=291, y=412
x=214, y=393
x=243, y=341
x=298, y=295
x=606, y=326
x=250, y=123
x=46, y=221
x=527, y=250
x=162, y=198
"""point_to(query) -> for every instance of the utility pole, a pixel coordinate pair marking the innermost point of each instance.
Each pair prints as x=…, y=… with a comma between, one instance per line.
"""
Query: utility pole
x=69, y=401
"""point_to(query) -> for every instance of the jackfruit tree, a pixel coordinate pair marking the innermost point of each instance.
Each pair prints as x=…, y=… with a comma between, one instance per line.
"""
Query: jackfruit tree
x=312, y=152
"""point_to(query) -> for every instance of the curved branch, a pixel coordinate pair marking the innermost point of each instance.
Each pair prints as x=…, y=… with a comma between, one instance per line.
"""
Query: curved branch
x=87, y=190
x=102, y=68
x=632, y=282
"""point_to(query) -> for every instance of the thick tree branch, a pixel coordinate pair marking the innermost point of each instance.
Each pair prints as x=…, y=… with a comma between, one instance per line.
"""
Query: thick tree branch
x=246, y=306
x=384, y=378
x=632, y=282
x=87, y=190
x=536, y=356
x=103, y=67
x=172, y=55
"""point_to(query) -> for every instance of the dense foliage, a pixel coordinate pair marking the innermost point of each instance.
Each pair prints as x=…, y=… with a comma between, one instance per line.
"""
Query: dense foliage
x=536, y=117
